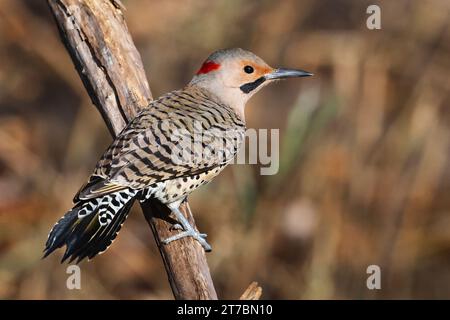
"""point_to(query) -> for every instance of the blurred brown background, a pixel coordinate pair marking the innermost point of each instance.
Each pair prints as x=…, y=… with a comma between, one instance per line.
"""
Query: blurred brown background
x=365, y=151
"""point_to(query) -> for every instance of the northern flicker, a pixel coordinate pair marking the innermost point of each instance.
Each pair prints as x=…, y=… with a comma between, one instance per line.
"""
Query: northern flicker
x=180, y=142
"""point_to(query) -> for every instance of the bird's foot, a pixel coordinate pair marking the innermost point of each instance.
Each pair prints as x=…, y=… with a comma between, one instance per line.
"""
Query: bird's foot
x=190, y=232
x=176, y=226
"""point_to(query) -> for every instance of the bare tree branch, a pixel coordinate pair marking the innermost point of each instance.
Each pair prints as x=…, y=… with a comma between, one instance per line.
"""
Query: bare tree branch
x=97, y=38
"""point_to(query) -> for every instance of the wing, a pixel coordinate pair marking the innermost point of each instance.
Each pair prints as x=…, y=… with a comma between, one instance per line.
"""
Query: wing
x=182, y=134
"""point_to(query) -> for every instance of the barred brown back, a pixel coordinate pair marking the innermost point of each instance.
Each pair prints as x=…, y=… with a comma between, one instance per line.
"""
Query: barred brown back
x=182, y=134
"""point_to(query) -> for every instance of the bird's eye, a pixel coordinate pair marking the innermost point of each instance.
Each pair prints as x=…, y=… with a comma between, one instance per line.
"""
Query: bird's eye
x=248, y=69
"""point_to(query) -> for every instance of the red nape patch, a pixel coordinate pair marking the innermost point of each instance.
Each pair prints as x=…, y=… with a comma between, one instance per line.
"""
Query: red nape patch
x=208, y=66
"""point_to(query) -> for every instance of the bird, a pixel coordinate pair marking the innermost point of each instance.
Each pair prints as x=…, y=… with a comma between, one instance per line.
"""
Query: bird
x=180, y=142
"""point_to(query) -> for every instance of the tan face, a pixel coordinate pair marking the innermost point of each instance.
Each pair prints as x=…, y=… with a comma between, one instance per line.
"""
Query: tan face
x=239, y=72
x=235, y=75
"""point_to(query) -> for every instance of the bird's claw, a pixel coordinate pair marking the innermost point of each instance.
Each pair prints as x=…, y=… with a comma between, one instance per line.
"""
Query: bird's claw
x=200, y=237
x=188, y=231
x=176, y=226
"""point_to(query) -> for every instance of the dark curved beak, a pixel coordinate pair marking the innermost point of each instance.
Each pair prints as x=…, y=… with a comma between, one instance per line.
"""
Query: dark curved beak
x=282, y=73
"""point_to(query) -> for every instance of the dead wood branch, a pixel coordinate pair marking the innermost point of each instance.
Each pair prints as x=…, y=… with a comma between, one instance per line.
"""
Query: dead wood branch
x=97, y=38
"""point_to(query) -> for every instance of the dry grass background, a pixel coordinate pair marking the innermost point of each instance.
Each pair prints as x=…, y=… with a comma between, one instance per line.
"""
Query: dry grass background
x=365, y=151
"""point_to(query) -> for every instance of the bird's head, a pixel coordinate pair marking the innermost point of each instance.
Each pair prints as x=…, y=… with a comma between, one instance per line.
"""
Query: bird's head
x=234, y=75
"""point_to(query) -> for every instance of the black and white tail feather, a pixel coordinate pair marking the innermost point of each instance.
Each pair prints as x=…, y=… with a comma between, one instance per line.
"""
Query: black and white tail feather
x=91, y=226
